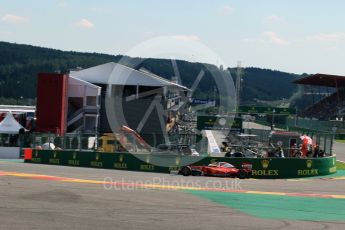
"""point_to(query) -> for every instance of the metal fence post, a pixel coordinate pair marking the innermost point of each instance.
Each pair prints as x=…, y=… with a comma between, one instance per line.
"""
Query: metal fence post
x=79, y=141
x=48, y=140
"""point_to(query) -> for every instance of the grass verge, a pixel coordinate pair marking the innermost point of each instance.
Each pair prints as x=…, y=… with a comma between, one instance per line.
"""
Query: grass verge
x=340, y=165
x=340, y=141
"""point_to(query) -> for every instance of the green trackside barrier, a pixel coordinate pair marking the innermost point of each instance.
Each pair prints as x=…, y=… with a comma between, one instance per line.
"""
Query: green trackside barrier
x=262, y=167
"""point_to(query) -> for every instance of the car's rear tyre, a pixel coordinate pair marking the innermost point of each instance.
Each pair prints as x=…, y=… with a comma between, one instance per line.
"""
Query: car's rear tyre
x=186, y=171
x=242, y=174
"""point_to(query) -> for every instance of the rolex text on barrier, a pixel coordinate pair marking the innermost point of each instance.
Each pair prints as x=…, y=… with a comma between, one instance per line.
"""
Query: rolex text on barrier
x=262, y=167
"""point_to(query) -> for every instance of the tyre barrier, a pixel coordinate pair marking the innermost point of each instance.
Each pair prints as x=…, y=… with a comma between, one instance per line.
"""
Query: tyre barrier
x=262, y=167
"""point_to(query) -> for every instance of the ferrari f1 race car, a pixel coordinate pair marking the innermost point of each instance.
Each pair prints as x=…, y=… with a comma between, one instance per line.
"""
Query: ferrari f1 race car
x=218, y=169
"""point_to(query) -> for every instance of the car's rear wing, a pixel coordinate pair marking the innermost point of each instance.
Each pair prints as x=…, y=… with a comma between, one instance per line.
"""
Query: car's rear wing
x=247, y=166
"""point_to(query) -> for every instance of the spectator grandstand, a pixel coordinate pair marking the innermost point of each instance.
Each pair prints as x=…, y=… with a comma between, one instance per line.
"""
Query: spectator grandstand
x=331, y=106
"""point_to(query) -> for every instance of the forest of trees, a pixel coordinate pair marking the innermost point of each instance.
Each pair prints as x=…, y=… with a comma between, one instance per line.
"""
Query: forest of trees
x=20, y=64
x=266, y=84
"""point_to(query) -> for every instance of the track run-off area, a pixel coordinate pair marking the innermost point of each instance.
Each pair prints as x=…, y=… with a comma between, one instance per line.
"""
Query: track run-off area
x=45, y=196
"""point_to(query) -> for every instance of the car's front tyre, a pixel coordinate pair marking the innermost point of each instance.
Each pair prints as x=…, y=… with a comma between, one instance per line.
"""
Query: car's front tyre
x=186, y=171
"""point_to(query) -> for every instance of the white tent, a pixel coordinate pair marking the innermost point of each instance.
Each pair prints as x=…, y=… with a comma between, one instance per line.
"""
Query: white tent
x=9, y=125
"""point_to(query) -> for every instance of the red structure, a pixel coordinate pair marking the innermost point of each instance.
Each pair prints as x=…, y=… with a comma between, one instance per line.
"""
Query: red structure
x=52, y=103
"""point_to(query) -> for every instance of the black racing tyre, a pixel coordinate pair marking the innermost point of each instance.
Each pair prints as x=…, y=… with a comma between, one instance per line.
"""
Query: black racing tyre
x=242, y=174
x=186, y=171
x=238, y=154
x=196, y=173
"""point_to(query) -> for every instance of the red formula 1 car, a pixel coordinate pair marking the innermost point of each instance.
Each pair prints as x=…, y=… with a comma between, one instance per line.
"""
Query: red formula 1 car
x=219, y=169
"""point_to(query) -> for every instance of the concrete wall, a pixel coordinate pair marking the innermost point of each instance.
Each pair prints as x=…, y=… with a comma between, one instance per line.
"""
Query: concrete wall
x=9, y=152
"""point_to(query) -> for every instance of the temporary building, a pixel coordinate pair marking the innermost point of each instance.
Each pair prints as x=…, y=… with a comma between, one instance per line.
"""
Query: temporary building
x=118, y=74
x=83, y=97
x=9, y=125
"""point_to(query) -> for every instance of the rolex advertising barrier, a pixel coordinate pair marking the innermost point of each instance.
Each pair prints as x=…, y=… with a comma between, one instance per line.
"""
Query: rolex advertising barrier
x=262, y=167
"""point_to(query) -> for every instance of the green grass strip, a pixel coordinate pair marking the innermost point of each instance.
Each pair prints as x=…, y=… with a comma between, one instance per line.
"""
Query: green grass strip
x=340, y=141
x=340, y=165
x=12, y=160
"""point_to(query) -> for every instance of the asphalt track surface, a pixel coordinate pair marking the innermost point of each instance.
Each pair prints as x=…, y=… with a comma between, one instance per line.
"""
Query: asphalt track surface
x=54, y=197
x=339, y=150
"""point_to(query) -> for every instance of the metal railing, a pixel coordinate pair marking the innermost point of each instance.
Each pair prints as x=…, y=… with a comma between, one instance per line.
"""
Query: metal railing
x=109, y=142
